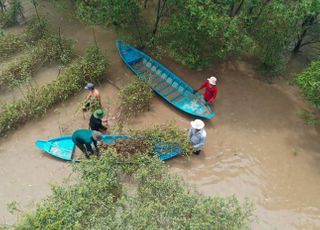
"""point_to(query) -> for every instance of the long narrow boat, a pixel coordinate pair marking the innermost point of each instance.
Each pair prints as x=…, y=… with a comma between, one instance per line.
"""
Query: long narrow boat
x=63, y=147
x=164, y=82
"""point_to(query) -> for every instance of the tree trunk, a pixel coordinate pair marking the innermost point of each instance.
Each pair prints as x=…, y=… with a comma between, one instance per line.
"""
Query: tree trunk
x=155, y=28
x=139, y=32
x=145, y=4
x=308, y=21
x=235, y=8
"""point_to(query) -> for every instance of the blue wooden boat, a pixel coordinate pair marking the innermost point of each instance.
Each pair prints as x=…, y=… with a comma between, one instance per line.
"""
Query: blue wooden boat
x=164, y=82
x=63, y=147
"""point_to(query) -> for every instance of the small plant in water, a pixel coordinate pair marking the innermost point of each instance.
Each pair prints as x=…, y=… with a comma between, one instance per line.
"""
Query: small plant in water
x=135, y=98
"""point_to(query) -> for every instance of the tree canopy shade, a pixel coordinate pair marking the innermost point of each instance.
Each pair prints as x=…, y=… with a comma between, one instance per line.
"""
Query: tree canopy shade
x=117, y=192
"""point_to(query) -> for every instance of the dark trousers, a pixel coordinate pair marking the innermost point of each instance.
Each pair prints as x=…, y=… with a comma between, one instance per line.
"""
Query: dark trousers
x=196, y=152
x=87, y=149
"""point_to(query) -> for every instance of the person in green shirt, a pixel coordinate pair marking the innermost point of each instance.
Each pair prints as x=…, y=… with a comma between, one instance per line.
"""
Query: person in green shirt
x=84, y=139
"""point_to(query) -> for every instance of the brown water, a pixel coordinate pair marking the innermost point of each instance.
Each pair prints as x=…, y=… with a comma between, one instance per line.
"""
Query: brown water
x=45, y=75
x=257, y=146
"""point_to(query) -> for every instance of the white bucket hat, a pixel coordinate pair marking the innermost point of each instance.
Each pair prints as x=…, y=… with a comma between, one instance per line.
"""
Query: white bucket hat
x=197, y=124
x=212, y=80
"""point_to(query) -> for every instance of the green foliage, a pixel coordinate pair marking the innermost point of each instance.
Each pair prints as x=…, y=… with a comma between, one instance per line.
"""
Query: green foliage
x=154, y=199
x=168, y=133
x=199, y=32
x=135, y=98
x=36, y=29
x=37, y=101
x=46, y=50
x=309, y=83
x=11, y=44
x=10, y=17
x=273, y=32
x=107, y=12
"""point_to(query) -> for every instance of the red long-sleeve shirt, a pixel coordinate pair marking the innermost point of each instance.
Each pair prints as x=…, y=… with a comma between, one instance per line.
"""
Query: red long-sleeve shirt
x=210, y=92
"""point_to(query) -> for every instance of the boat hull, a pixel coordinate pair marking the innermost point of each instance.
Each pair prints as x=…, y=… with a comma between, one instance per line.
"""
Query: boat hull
x=164, y=82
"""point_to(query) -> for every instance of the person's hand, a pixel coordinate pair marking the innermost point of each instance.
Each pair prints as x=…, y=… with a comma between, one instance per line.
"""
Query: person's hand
x=194, y=91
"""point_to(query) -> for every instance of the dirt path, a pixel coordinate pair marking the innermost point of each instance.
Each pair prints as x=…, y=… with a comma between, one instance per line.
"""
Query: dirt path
x=257, y=145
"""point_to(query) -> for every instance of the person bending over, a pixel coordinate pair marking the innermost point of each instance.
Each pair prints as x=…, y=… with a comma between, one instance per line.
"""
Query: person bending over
x=85, y=140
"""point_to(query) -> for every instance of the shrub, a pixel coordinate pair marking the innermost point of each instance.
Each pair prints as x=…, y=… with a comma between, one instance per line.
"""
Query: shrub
x=153, y=199
x=10, y=16
x=11, y=44
x=309, y=83
x=135, y=98
x=89, y=68
x=48, y=49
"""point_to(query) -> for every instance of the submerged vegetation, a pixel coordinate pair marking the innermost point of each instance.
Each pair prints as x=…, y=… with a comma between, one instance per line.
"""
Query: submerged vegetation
x=134, y=192
x=89, y=68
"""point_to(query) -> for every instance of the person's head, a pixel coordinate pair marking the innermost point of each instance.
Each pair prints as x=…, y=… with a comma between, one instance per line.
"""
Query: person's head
x=197, y=124
x=212, y=80
x=90, y=86
x=99, y=113
x=97, y=136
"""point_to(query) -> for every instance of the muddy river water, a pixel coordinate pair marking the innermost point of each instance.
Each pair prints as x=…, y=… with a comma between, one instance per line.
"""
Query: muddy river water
x=257, y=145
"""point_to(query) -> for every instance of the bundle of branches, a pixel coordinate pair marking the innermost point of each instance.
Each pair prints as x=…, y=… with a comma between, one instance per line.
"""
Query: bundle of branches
x=129, y=147
x=90, y=68
x=52, y=48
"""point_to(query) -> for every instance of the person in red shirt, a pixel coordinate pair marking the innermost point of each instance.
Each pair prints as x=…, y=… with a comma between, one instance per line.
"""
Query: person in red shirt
x=211, y=89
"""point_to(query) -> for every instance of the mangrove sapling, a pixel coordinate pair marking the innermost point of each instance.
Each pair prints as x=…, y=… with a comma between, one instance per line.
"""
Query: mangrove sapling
x=135, y=98
x=10, y=16
x=309, y=83
x=160, y=200
x=11, y=44
x=36, y=102
x=47, y=50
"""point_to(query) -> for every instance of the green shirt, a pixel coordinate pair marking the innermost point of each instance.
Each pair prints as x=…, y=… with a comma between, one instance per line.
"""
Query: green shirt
x=83, y=136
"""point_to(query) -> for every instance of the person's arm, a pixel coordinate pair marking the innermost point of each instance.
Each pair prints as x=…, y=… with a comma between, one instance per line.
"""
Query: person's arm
x=202, y=86
x=202, y=141
x=99, y=98
x=214, y=95
x=190, y=133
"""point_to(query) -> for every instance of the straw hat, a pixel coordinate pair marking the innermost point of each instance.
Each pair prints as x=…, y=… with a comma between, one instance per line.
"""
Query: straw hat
x=97, y=136
x=197, y=124
x=212, y=80
x=99, y=113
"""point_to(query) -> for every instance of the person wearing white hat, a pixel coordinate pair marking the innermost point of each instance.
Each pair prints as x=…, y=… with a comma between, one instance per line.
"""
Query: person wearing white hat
x=211, y=89
x=197, y=135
